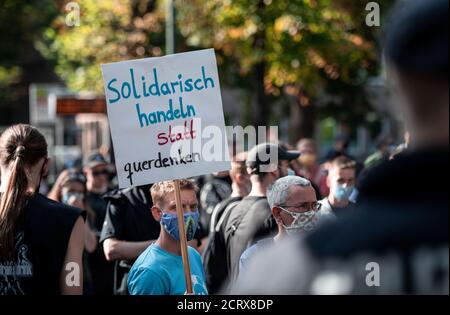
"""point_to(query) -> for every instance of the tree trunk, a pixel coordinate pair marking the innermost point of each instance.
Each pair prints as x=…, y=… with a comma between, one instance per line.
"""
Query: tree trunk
x=260, y=112
x=302, y=120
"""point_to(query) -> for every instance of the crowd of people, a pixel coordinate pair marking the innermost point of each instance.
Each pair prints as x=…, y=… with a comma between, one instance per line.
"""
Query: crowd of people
x=291, y=224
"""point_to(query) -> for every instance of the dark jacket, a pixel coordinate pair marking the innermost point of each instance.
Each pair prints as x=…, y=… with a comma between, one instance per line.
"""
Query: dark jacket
x=402, y=209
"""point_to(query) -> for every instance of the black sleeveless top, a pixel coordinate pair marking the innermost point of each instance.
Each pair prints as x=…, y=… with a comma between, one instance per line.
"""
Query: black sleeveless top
x=42, y=238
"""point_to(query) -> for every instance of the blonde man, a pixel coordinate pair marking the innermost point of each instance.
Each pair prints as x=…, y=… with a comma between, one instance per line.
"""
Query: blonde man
x=159, y=269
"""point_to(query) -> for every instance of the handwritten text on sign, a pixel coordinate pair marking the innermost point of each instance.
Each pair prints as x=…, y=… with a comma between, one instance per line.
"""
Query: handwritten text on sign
x=156, y=103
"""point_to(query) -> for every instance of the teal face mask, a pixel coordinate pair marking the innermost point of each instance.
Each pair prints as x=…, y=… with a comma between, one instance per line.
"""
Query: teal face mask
x=343, y=193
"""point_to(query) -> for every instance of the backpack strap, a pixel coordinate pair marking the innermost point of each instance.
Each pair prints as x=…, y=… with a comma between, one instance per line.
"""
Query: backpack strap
x=225, y=213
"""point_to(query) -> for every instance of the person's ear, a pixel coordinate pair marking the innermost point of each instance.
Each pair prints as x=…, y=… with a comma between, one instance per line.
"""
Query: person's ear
x=276, y=173
x=46, y=167
x=238, y=178
x=276, y=212
x=156, y=213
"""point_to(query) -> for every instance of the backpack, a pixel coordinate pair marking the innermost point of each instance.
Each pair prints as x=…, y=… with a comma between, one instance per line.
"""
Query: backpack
x=215, y=253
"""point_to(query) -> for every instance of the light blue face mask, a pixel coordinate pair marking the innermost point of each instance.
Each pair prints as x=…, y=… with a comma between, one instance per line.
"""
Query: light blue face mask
x=291, y=172
x=343, y=193
x=169, y=222
x=66, y=197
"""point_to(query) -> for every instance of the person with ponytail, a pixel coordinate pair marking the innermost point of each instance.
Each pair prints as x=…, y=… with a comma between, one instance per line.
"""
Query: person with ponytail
x=41, y=241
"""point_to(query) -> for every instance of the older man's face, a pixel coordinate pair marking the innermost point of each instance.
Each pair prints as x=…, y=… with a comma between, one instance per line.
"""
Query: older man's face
x=300, y=199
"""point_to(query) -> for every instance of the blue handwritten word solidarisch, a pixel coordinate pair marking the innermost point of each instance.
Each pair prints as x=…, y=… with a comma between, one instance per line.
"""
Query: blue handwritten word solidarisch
x=164, y=116
x=132, y=88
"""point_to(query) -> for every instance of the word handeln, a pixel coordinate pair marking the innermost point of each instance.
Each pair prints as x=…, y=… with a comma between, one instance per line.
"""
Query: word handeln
x=146, y=119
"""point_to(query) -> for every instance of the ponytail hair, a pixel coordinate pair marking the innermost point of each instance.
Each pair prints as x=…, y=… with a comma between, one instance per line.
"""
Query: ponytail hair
x=21, y=147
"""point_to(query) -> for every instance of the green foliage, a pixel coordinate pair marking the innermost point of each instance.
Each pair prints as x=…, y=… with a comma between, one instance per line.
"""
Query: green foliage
x=319, y=51
x=21, y=22
x=109, y=31
x=310, y=47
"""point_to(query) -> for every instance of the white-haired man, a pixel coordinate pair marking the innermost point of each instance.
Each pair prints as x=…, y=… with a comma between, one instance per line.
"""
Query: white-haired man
x=294, y=205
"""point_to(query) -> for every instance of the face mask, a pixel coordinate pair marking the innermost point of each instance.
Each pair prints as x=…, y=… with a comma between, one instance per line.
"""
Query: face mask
x=169, y=222
x=67, y=196
x=303, y=222
x=343, y=193
x=291, y=172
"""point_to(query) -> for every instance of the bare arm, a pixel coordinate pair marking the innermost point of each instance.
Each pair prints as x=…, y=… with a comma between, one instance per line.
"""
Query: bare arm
x=117, y=250
x=71, y=279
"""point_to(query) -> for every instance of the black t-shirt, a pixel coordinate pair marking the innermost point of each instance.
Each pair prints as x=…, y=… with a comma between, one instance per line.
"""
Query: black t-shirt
x=215, y=253
x=98, y=205
x=101, y=270
x=250, y=221
x=42, y=237
x=129, y=217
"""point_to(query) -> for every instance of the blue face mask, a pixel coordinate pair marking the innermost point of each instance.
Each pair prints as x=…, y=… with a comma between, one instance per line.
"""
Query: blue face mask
x=169, y=222
x=343, y=193
x=66, y=197
x=291, y=172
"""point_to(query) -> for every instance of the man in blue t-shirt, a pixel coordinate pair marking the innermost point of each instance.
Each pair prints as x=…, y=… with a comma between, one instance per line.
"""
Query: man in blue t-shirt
x=159, y=269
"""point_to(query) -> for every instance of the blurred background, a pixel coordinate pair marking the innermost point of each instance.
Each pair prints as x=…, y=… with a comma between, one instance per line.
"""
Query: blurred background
x=310, y=67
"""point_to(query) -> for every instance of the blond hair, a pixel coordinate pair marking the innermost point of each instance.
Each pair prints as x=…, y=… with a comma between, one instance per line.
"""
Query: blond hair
x=342, y=162
x=161, y=189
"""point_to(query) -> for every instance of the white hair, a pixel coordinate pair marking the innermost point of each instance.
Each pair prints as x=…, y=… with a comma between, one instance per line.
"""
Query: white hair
x=279, y=191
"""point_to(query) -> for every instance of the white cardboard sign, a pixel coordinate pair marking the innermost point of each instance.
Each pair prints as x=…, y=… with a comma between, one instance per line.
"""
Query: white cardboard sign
x=159, y=111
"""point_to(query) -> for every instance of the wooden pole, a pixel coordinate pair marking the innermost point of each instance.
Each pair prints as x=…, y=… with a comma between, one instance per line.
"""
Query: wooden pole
x=183, y=241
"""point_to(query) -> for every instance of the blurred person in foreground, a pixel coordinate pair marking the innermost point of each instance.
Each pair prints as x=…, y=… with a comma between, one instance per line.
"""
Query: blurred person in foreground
x=397, y=240
x=215, y=253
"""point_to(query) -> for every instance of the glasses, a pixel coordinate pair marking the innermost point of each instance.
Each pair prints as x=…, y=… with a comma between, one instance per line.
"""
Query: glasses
x=303, y=220
x=304, y=207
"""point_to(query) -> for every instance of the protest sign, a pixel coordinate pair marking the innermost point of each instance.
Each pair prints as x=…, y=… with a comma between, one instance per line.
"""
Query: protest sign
x=157, y=108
